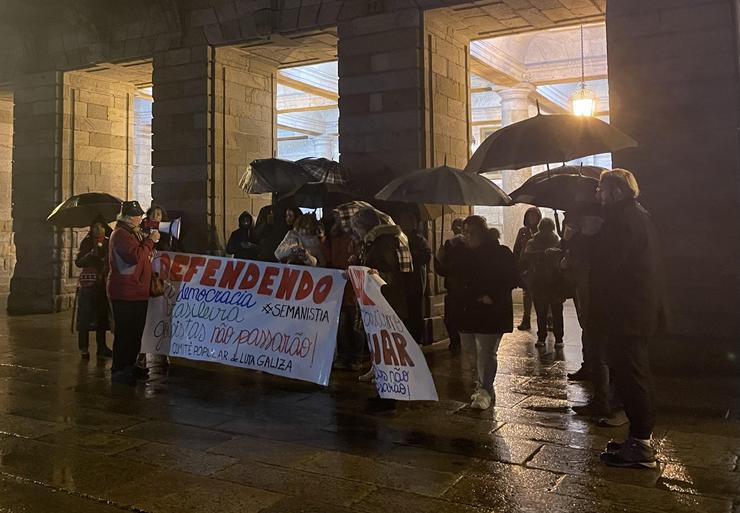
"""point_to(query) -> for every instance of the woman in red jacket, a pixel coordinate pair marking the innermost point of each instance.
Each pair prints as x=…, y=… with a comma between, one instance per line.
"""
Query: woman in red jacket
x=130, y=260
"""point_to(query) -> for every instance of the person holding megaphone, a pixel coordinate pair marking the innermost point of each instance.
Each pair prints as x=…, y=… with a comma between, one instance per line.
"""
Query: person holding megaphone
x=156, y=219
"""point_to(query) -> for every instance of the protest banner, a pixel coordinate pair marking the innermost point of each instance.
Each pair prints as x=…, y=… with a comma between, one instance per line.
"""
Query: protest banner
x=401, y=371
x=276, y=318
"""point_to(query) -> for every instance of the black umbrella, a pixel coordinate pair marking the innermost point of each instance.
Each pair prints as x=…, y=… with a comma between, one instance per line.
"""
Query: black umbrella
x=330, y=184
x=80, y=210
x=545, y=139
x=589, y=171
x=444, y=185
x=557, y=191
x=274, y=175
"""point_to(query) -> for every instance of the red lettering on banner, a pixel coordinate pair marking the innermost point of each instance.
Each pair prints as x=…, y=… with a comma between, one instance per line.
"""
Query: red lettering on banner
x=287, y=283
x=403, y=357
x=164, y=266
x=267, y=281
x=212, y=266
x=196, y=261
x=375, y=349
x=322, y=289
x=389, y=355
x=305, y=286
x=178, y=267
x=251, y=276
x=231, y=273
x=357, y=277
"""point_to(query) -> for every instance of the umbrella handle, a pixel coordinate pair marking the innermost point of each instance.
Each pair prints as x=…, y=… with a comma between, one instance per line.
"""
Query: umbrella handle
x=557, y=222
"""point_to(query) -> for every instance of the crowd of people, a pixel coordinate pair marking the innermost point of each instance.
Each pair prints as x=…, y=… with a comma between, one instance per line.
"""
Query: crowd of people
x=606, y=261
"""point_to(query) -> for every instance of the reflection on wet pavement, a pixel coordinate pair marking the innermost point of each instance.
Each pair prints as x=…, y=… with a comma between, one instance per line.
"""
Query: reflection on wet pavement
x=209, y=438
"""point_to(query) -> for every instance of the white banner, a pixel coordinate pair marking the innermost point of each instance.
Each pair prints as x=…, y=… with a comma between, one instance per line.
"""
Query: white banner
x=276, y=318
x=401, y=371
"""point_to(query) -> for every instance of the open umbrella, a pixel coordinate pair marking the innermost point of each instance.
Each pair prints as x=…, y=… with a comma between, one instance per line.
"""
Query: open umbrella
x=543, y=139
x=273, y=175
x=329, y=180
x=446, y=186
x=589, y=171
x=558, y=191
x=80, y=210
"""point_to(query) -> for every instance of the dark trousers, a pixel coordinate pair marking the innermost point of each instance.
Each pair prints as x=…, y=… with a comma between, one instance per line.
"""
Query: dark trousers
x=349, y=341
x=452, y=331
x=527, y=300
x=415, y=305
x=83, y=339
x=541, y=307
x=629, y=367
x=605, y=394
x=130, y=319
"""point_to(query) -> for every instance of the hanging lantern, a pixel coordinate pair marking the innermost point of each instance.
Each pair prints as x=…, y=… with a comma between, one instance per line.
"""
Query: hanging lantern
x=583, y=101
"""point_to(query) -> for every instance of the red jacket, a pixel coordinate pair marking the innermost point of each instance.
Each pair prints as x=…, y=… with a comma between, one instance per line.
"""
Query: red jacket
x=130, y=260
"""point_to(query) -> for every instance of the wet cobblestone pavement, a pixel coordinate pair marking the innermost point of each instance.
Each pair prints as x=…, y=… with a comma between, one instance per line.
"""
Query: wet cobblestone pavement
x=210, y=438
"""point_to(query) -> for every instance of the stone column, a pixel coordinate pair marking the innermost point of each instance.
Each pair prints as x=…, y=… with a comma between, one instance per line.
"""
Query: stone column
x=213, y=114
x=38, y=185
x=673, y=84
x=404, y=105
x=7, y=246
x=515, y=106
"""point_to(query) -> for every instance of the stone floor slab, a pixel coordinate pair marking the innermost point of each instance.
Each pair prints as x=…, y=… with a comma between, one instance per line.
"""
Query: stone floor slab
x=386, y=474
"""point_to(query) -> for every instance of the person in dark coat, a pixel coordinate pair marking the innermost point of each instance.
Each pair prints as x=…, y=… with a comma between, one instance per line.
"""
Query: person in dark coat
x=532, y=218
x=421, y=255
x=486, y=274
x=541, y=262
x=130, y=262
x=241, y=244
x=379, y=251
x=269, y=232
x=93, y=313
x=581, y=225
x=625, y=305
x=442, y=264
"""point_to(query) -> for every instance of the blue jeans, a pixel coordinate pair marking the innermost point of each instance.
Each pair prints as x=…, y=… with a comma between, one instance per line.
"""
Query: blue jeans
x=479, y=351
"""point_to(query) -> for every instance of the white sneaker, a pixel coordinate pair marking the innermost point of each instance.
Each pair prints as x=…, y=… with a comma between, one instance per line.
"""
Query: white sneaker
x=482, y=400
x=368, y=376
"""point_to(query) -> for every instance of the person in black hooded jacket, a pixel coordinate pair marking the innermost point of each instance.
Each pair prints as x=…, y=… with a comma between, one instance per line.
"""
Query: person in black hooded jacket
x=240, y=243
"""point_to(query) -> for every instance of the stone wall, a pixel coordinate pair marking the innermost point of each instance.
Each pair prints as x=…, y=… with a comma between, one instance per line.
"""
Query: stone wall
x=673, y=80
x=213, y=114
x=7, y=246
x=72, y=134
x=37, y=187
x=246, y=127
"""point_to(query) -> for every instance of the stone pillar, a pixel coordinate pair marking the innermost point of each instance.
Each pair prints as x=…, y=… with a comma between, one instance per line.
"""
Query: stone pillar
x=7, y=246
x=38, y=185
x=515, y=106
x=403, y=95
x=404, y=105
x=673, y=83
x=213, y=113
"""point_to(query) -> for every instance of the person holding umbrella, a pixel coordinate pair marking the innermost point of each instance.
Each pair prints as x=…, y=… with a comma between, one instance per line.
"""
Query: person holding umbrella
x=93, y=313
x=486, y=274
x=130, y=261
x=625, y=305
